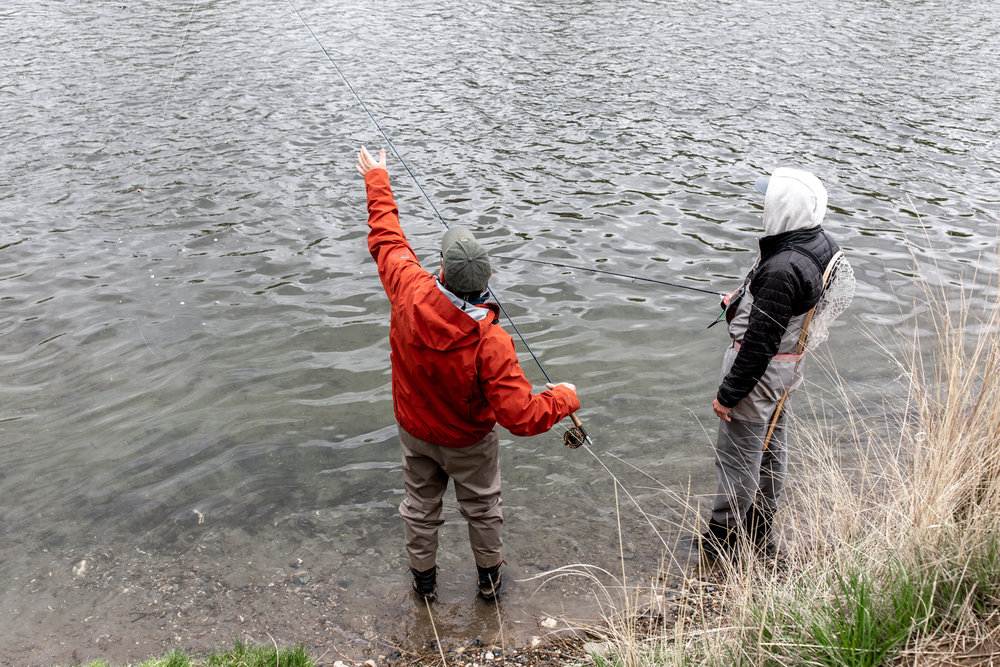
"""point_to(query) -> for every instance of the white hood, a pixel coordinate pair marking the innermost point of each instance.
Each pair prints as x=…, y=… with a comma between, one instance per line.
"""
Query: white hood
x=795, y=199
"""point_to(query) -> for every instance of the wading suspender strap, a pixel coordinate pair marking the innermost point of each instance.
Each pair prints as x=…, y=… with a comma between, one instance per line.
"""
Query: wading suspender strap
x=802, y=341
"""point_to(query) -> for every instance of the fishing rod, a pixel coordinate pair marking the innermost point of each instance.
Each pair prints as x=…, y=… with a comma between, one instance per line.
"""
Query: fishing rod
x=610, y=273
x=573, y=437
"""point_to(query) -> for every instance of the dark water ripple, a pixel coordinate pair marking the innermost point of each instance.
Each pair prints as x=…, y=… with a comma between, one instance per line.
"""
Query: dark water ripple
x=191, y=320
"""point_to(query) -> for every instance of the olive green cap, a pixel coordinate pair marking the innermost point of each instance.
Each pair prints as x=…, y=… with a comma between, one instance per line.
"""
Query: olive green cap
x=465, y=262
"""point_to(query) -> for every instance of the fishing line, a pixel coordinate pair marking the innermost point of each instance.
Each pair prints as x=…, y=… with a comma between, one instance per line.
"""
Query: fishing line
x=610, y=273
x=576, y=420
x=618, y=483
x=372, y=116
x=173, y=69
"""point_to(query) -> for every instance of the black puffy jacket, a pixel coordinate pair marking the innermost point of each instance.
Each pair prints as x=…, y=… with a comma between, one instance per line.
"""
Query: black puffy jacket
x=787, y=281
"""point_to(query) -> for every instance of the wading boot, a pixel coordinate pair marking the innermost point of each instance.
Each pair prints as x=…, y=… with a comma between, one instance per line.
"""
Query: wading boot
x=720, y=542
x=490, y=581
x=425, y=583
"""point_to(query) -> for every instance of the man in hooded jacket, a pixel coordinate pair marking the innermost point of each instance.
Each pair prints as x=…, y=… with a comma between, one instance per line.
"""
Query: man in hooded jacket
x=455, y=376
x=765, y=318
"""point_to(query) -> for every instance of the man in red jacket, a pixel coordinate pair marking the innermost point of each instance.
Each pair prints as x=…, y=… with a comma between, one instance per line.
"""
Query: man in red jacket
x=455, y=376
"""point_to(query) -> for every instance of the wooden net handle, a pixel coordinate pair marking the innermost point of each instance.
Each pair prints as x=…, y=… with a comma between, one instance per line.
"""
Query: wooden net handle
x=801, y=347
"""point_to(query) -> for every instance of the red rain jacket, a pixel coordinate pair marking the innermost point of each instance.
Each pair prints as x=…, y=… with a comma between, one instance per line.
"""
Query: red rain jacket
x=453, y=378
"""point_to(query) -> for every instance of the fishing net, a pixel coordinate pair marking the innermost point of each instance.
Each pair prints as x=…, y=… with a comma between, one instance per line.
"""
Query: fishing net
x=837, y=295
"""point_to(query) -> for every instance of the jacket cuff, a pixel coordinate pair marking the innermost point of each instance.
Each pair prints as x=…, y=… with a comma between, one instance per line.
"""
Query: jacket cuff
x=566, y=397
x=376, y=173
x=725, y=400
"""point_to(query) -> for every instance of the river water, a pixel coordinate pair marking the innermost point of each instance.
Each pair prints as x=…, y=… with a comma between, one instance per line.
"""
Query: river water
x=197, y=431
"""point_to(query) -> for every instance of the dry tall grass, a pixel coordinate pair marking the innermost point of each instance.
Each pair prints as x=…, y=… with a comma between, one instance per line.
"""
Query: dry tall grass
x=891, y=527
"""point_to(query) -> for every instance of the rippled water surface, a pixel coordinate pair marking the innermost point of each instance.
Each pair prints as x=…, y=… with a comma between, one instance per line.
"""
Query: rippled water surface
x=197, y=431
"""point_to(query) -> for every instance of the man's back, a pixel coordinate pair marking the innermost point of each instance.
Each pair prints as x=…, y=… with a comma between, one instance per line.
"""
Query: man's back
x=454, y=376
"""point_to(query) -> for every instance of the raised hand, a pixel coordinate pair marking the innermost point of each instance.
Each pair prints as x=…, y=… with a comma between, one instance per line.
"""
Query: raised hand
x=366, y=162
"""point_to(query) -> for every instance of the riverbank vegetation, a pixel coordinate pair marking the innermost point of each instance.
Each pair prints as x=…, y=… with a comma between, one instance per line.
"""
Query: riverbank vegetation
x=890, y=531
x=240, y=655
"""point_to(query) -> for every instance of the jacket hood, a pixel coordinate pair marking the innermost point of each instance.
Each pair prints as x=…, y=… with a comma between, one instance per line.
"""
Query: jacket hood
x=795, y=200
x=439, y=324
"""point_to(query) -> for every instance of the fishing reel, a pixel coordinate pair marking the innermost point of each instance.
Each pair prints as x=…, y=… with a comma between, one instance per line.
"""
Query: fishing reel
x=574, y=437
